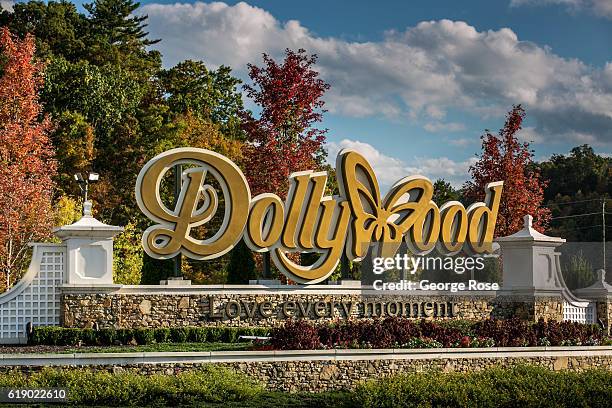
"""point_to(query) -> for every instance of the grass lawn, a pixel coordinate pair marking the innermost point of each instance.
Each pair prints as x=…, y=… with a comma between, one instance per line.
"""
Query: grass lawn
x=157, y=347
x=163, y=347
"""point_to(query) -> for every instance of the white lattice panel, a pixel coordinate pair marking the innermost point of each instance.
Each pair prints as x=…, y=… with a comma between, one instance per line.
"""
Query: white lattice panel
x=579, y=314
x=36, y=298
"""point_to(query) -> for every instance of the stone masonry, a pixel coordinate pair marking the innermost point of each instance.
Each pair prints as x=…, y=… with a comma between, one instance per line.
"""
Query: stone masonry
x=271, y=308
x=327, y=375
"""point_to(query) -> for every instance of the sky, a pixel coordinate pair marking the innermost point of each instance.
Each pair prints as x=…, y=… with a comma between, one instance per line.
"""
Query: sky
x=415, y=83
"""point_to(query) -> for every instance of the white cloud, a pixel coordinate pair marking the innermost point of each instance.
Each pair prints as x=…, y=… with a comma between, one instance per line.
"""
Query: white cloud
x=461, y=142
x=419, y=73
x=601, y=8
x=390, y=169
x=7, y=4
x=444, y=127
x=529, y=134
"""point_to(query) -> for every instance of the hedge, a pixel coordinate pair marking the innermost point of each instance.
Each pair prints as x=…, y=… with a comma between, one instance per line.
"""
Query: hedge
x=62, y=336
x=100, y=388
x=397, y=332
x=520, y=386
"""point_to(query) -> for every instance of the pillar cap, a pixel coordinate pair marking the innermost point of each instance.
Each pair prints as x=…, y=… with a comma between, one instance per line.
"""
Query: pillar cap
x=529, y=234
x=87, y=227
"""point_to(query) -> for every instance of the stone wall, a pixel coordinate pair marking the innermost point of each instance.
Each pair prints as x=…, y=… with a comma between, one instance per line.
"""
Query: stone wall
x=154, y=307
x=604, y=313
x=285, y=371
x=265, y=308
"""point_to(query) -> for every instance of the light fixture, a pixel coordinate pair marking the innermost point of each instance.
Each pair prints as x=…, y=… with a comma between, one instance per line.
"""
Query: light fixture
x=84, y=182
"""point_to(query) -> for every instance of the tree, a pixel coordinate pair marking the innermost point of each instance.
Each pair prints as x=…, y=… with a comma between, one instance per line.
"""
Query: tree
x=241, y=266
x=444, y=192
x=59, y=29
x=506, y=159
x=128, y=257
x=283, y=139
x=27, y=163
x=579, y=181
x=117, y=35
x=208, y=95
x=75, y=153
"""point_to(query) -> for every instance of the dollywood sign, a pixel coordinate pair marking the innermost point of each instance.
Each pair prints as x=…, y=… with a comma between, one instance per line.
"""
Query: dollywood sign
x=308, y=220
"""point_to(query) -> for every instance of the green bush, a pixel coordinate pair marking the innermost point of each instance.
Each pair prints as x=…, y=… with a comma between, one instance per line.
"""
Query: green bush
x=214, y=334
x=162, y=335
x=524, y=386
x=124, y=336
x=144, y=336
x=198, y=334
x=86, y=387
x=61, y=336
x=519, y=386
x=107, y=336
x=179, y=334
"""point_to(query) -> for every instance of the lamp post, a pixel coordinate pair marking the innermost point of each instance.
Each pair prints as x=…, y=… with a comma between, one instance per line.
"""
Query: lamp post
x=84, y=182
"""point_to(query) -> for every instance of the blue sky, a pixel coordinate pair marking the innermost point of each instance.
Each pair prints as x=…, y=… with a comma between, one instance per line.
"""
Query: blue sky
x=415, y=83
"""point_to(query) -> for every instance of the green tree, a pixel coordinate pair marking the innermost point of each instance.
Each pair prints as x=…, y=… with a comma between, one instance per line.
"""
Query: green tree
x=58, y=27
x=128, y=257
x=209, y=95
x=241, y=266
x=444, y=192
x=74, y=141
x=116, y=35
x=579, y=181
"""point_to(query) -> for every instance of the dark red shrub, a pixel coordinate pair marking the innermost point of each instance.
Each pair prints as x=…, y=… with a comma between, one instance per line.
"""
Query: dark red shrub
x=400, y=332
x=296, y=335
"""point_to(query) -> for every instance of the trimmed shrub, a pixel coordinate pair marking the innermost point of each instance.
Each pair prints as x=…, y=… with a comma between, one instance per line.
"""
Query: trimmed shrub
x=144, y=336
x=108, y=336
x=296, y=335
x=400, y=332
x=61, y=336
x=179, y=334
x=162, y=335
x=124, y=336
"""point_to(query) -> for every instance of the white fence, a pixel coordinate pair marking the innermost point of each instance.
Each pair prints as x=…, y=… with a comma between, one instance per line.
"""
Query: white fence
x=580, y=314
x=36, y=297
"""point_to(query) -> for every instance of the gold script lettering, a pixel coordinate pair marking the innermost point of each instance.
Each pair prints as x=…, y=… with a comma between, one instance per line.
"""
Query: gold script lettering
x=307, y=221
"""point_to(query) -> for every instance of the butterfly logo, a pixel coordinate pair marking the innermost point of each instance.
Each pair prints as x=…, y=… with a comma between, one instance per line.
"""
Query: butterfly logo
x=383, y=223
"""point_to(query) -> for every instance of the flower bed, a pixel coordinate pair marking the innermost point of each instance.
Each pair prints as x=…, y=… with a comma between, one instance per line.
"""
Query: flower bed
x=404, y=333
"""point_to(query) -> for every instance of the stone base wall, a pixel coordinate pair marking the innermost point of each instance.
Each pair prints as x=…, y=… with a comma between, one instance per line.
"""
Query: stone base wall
x=327, y=375
x=156, y=308
x=530, y=308
x=271, y=308
x=604, y=313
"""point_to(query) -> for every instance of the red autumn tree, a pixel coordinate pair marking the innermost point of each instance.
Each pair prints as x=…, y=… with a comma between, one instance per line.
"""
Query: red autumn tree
x=26, y=156
x=283, y=139
x=505, y=158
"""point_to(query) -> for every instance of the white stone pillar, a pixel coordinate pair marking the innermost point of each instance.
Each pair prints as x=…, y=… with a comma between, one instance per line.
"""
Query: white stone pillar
x=89, y=250
x=533, y=286
x=530, y=262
